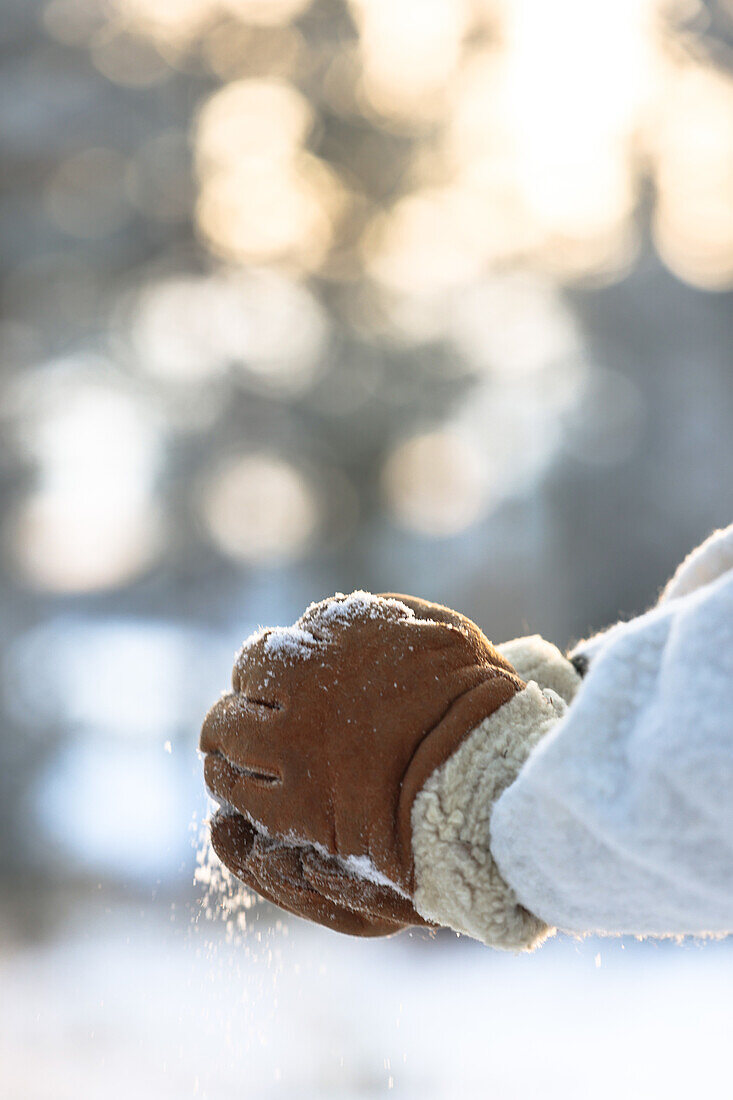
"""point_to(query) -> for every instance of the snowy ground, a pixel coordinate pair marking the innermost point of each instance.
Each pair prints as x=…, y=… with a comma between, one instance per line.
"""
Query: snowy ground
x=147, y=1003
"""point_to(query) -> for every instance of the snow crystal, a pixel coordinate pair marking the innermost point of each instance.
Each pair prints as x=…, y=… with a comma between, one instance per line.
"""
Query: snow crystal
x=360, y=604
x=289, y=641
x=251, y=640
x=224, y=897
x=298, y=643
x=363, y=868
x=285, y=642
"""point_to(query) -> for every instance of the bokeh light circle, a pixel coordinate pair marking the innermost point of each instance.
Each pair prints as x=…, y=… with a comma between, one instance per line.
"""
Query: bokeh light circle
x=260, y=509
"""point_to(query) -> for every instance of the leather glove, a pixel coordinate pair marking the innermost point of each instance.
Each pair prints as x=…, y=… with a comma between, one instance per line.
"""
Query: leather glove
x=356, y=761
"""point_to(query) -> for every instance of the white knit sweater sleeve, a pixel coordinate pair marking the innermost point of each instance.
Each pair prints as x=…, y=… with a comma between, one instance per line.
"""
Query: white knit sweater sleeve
x=621, y=820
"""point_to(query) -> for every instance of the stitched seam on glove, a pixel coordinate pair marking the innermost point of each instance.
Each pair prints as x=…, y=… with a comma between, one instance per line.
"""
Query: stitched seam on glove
x=457, y=882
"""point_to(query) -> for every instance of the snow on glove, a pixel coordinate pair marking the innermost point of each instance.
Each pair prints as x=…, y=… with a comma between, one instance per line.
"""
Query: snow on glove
x=356, y=763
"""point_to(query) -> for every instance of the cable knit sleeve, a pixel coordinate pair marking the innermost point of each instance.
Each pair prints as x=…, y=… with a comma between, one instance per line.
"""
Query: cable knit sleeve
x=621, y=820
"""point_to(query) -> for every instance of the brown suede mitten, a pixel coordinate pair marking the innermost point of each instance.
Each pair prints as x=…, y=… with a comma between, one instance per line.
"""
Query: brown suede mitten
x=356, y=762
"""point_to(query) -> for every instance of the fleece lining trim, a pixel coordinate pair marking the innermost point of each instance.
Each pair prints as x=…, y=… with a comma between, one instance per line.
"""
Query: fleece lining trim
x=536, y=659
x=457, y=882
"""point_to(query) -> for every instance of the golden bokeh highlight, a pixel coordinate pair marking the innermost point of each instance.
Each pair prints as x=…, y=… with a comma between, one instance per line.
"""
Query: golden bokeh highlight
x=260, y=509
x=265, y=211
x=265, y=13
x=536, y=129
x=409, y=53
x=72, y=543
x=434, y=173
x=263, y=197
x=186, y=329
x=267, y=119
x=436, y=483
x=90, y=520
x=693, y=147
x=167, y=20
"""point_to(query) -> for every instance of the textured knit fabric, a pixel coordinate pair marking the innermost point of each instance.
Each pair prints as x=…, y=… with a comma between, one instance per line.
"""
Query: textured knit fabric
x=621, y=820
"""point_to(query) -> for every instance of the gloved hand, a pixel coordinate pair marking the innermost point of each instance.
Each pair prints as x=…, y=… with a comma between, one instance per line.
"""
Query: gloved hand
x=357, y=760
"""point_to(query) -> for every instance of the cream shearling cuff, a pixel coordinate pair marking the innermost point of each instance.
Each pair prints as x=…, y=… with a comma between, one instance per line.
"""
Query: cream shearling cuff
x=536, y=659
x=457, y=882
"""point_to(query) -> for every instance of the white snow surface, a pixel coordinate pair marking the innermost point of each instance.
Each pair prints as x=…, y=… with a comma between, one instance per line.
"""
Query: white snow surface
x=622, y=818
x=163, y=1009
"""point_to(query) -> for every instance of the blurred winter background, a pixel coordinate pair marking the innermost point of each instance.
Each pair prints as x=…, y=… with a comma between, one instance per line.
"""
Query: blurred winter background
x=306, y=295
